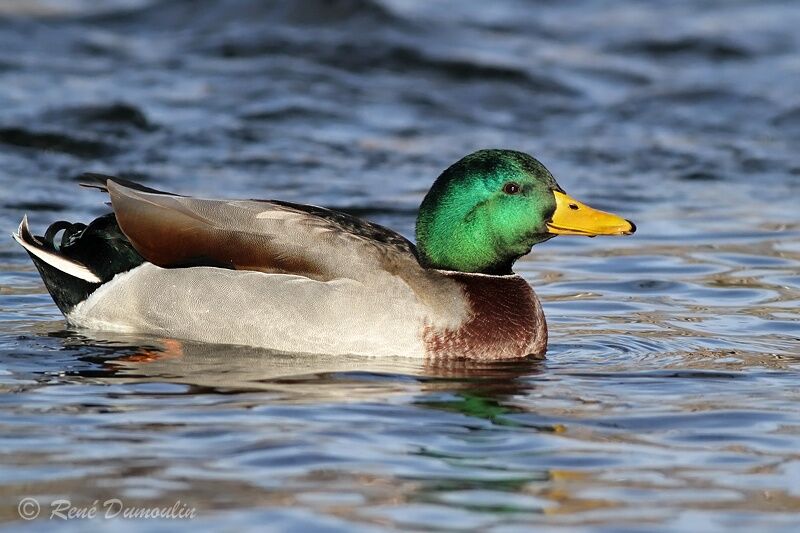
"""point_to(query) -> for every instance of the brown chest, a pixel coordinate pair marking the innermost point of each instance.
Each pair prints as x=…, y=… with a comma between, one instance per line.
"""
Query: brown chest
x=505, y=320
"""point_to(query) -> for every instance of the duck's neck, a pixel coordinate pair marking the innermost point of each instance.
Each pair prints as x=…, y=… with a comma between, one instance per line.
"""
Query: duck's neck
x=455, y=241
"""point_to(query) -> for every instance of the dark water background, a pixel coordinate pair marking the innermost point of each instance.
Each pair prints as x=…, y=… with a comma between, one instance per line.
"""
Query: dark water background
x=669, y=399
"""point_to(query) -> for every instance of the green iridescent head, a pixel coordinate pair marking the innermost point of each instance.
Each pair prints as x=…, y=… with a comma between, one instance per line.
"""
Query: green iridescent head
x=489, y=208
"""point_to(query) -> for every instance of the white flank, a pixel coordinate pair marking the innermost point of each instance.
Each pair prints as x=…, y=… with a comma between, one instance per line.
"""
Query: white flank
x=279, y=311
x=56, y=261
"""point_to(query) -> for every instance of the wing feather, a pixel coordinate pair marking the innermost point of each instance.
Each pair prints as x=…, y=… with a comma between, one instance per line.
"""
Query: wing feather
x=267, y=236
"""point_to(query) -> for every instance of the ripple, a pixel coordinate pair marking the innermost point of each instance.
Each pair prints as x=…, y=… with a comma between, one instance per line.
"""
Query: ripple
x=694, y=47
x=59, y=142
x=92, y=115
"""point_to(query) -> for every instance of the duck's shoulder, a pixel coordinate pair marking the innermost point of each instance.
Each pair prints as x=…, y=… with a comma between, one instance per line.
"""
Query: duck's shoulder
x=349, y=225
x=504, y=319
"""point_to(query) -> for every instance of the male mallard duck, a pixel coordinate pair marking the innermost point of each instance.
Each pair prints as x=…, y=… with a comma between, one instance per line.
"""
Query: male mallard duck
x=300, y=278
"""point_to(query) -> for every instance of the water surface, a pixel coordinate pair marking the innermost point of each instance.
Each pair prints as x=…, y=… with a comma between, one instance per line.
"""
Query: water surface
x=669, y=398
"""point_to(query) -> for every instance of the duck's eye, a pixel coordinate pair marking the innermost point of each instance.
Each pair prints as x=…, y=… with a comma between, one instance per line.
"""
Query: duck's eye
x=511, y=188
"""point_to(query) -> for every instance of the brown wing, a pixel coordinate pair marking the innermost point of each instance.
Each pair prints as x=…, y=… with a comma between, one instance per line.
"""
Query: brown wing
x=268, y=236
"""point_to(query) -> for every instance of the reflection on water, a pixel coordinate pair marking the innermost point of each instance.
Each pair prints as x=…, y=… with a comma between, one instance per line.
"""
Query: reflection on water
x=668, y=400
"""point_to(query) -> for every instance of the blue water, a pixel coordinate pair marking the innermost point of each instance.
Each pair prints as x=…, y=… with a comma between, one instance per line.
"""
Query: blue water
x=669, y=398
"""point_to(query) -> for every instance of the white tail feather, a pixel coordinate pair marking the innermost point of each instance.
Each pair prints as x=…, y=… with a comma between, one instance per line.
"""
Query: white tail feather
x=68, y=266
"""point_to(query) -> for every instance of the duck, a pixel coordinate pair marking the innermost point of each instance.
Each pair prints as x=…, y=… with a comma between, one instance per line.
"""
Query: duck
x=296, y=278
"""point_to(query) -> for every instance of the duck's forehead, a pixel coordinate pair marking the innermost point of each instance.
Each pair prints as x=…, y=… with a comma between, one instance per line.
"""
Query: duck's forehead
x=524, y=170
x=532, y=167
x=520, y=162
x=502, y=168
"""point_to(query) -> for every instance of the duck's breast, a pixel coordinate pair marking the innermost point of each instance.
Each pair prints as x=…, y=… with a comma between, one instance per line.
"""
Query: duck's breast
x=504, y=320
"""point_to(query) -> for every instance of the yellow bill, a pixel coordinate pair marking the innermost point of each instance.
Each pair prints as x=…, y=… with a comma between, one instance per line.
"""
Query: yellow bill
x=574, y=218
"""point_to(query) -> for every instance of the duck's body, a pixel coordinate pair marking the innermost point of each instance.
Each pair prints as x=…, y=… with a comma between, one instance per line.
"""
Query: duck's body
x=287, y=277
x=382, y=316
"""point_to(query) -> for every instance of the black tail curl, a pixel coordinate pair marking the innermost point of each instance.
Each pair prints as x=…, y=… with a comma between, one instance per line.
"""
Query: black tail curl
x=100, y=247
x=71, y=232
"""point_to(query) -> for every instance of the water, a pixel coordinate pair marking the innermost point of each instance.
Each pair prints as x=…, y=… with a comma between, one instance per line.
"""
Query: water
x=669, y=398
